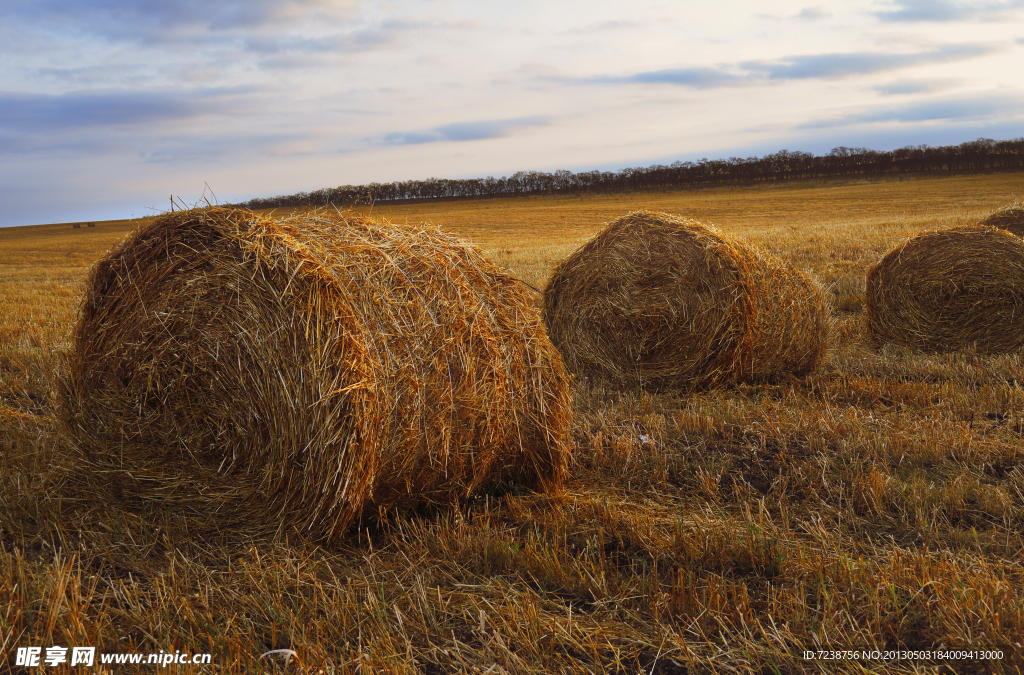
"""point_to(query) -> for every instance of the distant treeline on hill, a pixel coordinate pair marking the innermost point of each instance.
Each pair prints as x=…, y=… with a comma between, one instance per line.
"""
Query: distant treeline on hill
x=981, y=154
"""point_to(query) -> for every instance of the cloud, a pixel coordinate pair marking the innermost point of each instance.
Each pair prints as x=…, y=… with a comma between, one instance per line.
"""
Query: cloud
x=34, y=112
x=466, y=131
x=914, y=86
x=606, y=26
x=156, y=144
x=788, y=68
x=192, y=148
x=806, y=14
x=945, y=10
x=29, y=145
x=283, y=50
x=169, y=20
x=354, y=41
x=698, y=78
x=95, y=121
x=857, y=63
x=955, y=109
x=813, y=13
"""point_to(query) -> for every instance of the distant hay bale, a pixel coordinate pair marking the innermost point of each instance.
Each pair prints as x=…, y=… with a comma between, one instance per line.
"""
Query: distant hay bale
x=310, y=371
x=950, y=289
x=92, y=224
x=1009, y=218
x=669, y=303
x=76, y=225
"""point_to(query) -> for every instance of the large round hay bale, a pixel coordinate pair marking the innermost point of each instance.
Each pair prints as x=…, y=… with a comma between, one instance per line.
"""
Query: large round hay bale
x=669, y=303
x=1009, y=218
x=310, y=371
x=950, y=289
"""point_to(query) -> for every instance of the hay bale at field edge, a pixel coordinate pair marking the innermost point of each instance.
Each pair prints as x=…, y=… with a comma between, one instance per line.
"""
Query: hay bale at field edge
x=664, y=302
x=950, y=289
x=310, y=371
x=1009, y=218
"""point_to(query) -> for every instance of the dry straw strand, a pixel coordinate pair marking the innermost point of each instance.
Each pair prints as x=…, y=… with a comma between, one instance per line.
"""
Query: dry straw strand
x=665, y=302
x=1009, y=218
x=309, y=371
x=950, y=289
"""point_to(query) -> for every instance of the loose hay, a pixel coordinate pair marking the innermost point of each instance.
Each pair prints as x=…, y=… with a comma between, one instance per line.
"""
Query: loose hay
x=670, y=303
x=950, y=289
x=1009, y=218
x=306, y=372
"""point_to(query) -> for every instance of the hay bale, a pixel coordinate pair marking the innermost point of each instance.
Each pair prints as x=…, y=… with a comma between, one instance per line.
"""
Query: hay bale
x=1009, y=218
x=670, y=303
x=92, y=224
x=950, y=289
x=310, y=371
x=76, y=225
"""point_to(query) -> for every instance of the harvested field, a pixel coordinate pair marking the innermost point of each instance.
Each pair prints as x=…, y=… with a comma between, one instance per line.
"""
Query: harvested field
x=950, y=289
x=873, y=505
x=663, y=302
x=303, y=372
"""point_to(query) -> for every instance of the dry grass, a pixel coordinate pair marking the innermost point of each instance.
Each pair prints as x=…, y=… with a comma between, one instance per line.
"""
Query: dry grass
x=877, y=502
x=663, y=302
x=949, y=290
x=309, y=372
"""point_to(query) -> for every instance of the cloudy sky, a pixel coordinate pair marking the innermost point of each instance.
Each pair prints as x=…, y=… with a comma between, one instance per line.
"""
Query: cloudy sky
x=107, y=107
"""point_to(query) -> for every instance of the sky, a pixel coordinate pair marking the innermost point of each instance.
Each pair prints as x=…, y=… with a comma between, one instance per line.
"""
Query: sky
x=108, y=107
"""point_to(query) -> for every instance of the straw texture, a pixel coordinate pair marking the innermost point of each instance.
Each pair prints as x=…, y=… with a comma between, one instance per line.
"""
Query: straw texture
x=664, y=302
x=950, y=289
x=311, y=371
x=1009, y=218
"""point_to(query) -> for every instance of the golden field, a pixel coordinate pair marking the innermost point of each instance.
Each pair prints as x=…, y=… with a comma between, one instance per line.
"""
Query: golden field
x=875, y=505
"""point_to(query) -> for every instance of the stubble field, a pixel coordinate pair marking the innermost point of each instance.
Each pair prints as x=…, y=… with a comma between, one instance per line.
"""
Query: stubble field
x=874, y=506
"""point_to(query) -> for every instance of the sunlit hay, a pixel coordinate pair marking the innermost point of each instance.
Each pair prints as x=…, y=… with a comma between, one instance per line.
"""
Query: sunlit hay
x=664, y=302
x=310, y=371
x=1009, y=218
x=950, y=289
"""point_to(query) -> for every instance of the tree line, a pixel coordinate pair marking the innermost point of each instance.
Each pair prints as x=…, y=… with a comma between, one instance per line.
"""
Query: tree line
x=978, y=155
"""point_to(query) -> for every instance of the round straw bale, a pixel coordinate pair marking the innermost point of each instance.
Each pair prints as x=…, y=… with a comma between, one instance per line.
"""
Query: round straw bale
x=669, y=303
x=310, y=371
x=1009, y=218
x=950, y=289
